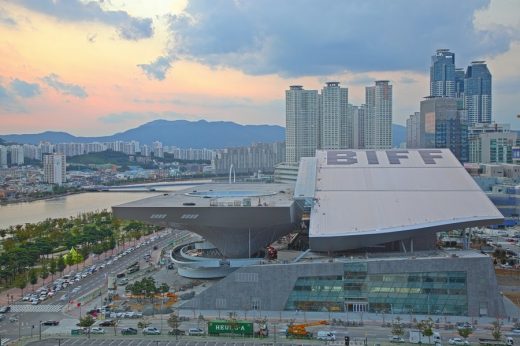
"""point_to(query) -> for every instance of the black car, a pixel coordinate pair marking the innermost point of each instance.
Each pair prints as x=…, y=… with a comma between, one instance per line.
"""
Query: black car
x=176, y=332
x=108, y=323
x=5, y=309
x=50, y=323
x=128, y=331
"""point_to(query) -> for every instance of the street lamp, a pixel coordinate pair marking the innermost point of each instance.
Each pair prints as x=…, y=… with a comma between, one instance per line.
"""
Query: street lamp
x=40, y=330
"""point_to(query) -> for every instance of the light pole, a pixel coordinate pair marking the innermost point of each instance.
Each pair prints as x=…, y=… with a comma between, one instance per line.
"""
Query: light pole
x=40, y=330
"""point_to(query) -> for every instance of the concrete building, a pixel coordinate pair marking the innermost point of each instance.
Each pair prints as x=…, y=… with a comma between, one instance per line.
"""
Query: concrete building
x=378, y=116
x=54, y=168
x=17, y=157
x=302, y=113
x=413, y=128
x=442, y=74
x=478, y=93
x=257, y=157
x=3, y=156
x=336, y=130
x=493, y=147
x=440, y=125
x=387, y=205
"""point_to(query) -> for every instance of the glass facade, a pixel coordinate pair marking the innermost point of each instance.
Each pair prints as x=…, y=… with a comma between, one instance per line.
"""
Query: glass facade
x=415, y=293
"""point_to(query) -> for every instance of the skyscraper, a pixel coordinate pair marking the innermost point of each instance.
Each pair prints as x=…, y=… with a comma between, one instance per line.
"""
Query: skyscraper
x=3, y=156
x=302, y=123
x=413, y=128
x=335, y=124
x=443, y=125
x=17, y=157
x=54, y=168
x=442, y=74
x=378, y=116
x=477, y=93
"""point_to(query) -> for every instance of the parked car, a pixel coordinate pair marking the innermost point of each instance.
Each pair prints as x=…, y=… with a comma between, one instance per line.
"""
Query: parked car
x=128, y=331
x=97, y=330
x=396, y=339
x=151, y=331
x=176, y=332
x=458, y=342
x=195, y=331
x=5, y=309
x=108, y=323
x=50, y=323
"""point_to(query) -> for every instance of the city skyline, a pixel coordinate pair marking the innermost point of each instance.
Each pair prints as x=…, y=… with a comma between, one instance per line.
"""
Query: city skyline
x=95, y=68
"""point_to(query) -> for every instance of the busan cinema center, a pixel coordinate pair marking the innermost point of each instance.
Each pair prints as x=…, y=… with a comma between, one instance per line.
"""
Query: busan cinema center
x=360, y=226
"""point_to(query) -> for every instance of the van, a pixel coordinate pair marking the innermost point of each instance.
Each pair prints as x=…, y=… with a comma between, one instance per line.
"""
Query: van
x=195, y=332
x=120, y=275
x=325, y=335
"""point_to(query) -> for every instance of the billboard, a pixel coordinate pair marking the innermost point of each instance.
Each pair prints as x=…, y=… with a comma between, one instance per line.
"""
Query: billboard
x=230, y=327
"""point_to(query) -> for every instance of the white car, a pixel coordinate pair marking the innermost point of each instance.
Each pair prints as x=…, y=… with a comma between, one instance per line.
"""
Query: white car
x=458, y=342
x=35, y=302
x=396, y=339
x=97, y=330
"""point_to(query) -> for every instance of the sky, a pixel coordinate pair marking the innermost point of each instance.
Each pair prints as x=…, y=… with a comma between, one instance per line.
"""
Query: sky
x=94, y=68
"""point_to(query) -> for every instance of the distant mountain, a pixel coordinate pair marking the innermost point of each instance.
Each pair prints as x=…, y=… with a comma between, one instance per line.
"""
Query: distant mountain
x=185, y=134
x=398, y=135
x=181, y=133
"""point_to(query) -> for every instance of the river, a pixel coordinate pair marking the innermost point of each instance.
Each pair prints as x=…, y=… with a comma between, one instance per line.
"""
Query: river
x=72, y=205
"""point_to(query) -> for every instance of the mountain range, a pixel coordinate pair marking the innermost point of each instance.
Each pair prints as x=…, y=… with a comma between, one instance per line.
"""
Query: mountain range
x=184, y=134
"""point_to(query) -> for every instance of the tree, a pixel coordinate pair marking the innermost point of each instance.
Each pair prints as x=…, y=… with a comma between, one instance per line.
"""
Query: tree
x=465, y=332
x=44, y=273
x=173, y=320
x=21, y=283
x=52, y=267
x=164, y=288
x=33, y=278
x=496, y=332
x=426, y=328
x=397, y=327
x=60, y=265
x=86, y=322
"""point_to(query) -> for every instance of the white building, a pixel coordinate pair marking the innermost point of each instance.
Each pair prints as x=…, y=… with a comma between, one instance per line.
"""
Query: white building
x=302, y=127
x=17, y=157
x=3, y=156
x=54, y=168
x=335, y=124
x=493, y=147
x=378, y=118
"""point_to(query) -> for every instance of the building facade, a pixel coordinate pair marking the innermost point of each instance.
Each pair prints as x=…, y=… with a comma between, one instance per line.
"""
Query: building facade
x=442, y=125
x=17, y=157
x=442, y=74
x=3, y=156
x=413, y=127
x=378, y=116
x=477, y=93
x=301, y=123
x=335, y=123
x=54, y=168
x=493, y=147
x=247, y=160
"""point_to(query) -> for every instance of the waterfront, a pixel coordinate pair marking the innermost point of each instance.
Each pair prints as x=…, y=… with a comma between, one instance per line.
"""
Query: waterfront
x=71, y=205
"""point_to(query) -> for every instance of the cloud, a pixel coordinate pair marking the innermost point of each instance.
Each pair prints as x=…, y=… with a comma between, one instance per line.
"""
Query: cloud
x=271, y=36
x=25, y=89
x=128, y=27
x=158, y=68
x=406, y=80
x=5, y=19
x=8, y=101
x=53, y=80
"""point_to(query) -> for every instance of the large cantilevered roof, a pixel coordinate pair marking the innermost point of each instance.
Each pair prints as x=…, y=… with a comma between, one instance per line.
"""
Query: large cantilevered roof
x=369, y=197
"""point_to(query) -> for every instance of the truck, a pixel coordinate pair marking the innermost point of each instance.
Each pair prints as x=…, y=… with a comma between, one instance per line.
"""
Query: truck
x=492, y=342
x=417, y=337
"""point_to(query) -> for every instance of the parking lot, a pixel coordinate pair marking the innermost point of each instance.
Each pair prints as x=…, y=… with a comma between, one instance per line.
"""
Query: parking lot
x=157, y=342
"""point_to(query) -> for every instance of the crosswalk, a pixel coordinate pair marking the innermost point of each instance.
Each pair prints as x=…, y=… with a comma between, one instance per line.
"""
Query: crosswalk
x=37, y=308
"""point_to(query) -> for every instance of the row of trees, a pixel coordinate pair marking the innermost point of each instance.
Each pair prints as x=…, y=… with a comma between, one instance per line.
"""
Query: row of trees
x=427, y=328
x=40, y=249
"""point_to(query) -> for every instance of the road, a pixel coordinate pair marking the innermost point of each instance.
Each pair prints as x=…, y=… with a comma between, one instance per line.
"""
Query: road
x=29, y=316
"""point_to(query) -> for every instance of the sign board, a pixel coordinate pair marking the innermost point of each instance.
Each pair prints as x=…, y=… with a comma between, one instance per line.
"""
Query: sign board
x=230, y=327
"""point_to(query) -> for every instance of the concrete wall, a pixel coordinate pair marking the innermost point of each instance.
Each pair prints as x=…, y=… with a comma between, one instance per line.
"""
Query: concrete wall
x=270, y=285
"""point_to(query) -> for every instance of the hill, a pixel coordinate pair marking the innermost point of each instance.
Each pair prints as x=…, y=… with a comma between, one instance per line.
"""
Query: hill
x=180, y=133
x=185, y=134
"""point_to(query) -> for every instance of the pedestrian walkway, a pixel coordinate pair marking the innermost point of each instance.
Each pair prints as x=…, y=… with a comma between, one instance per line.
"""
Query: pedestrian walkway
x=36, y=308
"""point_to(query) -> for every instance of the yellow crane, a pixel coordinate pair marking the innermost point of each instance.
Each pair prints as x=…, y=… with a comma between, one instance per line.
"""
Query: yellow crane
x=299, y=331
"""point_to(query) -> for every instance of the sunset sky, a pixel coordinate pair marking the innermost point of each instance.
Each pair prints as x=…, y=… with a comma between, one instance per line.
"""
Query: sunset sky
x=98, y=67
